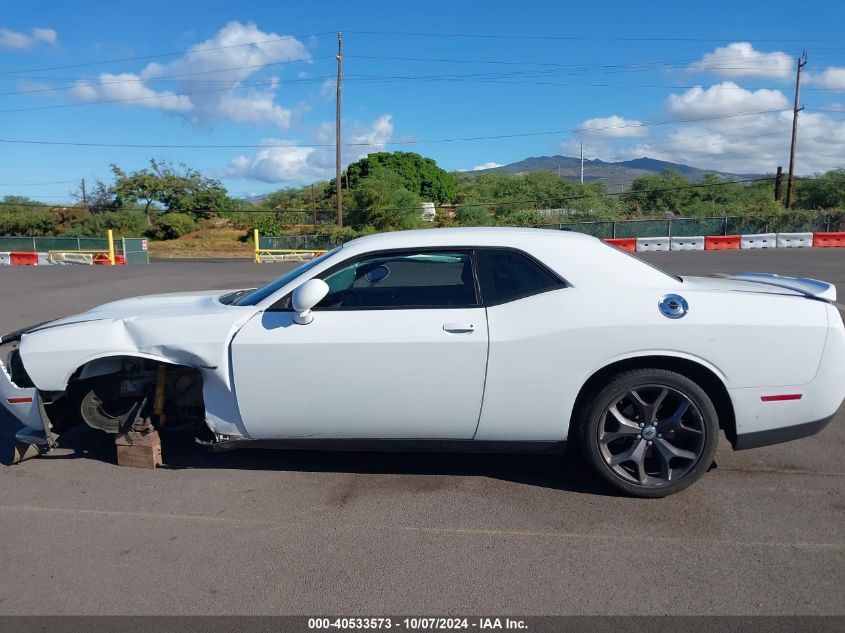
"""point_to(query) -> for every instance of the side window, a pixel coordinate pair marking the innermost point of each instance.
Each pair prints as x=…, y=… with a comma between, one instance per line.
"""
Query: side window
x=403, y=280
x=506, y=275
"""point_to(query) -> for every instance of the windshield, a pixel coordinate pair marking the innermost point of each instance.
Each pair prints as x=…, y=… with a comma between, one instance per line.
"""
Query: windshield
x=259, y=294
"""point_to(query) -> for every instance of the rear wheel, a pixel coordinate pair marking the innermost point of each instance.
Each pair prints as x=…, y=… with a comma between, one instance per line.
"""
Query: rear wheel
x=649, y=432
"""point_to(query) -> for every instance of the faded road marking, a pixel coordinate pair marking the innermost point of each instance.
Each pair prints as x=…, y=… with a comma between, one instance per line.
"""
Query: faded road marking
x=124, y=514
x=441, y=530
x=610, y=537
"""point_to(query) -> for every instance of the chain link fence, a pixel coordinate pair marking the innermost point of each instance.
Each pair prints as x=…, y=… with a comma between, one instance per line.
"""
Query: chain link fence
x=690, y=227
x=134, y=249
x=296, y=242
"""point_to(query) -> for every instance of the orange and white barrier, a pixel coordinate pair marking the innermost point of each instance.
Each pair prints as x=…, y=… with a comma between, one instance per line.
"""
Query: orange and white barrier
x=722, y=242
x=645, y=244
x=628, y=244
x=829, y=240
x=795, y=240
x=759, y=240
x=730, y=242
x=28, y=258
x=687, y=243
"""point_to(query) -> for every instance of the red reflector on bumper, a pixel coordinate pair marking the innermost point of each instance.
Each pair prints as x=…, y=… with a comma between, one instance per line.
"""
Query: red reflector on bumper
x=18, y=400
x=786, y=396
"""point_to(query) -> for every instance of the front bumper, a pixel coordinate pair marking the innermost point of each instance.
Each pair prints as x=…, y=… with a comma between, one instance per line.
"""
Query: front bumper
x=23, y=403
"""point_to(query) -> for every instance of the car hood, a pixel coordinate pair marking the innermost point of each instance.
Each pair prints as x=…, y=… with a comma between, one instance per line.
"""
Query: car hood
x=187, y=328
x=171, y=304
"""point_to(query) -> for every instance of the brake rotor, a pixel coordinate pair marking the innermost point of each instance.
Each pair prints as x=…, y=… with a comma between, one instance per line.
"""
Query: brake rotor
x=110, y=416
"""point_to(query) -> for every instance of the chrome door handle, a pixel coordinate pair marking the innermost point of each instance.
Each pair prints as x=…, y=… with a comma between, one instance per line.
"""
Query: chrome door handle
x=459, y=328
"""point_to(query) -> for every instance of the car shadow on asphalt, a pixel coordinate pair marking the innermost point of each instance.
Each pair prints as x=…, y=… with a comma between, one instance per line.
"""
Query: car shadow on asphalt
x=557, y=472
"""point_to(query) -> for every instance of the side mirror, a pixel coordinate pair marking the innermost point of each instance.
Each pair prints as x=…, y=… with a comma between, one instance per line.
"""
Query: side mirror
x=377, y=274
x=306, y=297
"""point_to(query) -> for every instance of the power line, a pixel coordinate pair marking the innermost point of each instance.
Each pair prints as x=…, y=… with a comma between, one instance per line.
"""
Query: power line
x=391, y=143
x=36, y=184
x=361, y=78
x=170, y=54
x=159, y=78
x=166, y=95
x=593, y=37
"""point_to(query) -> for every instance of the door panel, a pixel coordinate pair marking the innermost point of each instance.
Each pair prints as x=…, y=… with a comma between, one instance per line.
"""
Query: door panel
x=362, y=374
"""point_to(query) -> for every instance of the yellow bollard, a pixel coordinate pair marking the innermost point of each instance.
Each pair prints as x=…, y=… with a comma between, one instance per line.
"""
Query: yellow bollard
x=255, y=239
x=111, y=247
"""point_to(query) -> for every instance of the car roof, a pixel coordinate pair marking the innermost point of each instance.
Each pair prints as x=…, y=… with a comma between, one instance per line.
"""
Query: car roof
x=580, y=259
x=465, y=236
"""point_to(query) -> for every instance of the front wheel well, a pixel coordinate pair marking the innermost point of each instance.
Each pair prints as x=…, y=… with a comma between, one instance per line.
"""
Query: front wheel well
x=703, y=376
x=107, y=390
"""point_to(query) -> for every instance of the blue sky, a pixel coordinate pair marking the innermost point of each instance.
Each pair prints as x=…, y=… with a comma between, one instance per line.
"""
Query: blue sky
x=709, y=85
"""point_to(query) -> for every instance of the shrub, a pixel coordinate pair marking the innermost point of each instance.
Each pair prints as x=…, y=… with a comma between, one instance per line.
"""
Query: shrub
x=171, y=226
x=123, y=223
x=267, y=225
x=474, y=215
x=28, y=223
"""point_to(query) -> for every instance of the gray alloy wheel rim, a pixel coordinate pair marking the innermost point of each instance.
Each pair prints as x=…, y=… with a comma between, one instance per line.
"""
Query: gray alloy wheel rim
x=651, y=435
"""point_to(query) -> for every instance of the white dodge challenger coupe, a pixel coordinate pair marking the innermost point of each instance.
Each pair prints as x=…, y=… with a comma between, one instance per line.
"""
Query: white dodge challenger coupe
x=460, y=339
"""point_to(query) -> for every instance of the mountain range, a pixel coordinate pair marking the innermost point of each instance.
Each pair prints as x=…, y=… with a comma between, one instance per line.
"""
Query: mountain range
x=618, y=176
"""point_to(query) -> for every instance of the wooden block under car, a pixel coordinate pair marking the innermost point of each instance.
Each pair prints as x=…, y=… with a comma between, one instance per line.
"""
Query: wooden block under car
x=138, y=450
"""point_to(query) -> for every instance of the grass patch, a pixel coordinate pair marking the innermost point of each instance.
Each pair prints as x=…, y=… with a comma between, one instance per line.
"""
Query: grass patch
x=203, y=243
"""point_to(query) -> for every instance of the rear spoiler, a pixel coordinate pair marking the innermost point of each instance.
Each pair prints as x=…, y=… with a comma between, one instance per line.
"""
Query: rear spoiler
x=806, y=286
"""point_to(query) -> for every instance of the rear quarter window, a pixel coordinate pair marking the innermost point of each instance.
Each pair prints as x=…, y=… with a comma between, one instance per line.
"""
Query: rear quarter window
x=506, y=275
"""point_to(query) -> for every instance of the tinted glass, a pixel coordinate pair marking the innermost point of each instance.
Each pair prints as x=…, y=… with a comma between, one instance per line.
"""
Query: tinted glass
x=506, y=275
x=405, y=280
x=259, y=294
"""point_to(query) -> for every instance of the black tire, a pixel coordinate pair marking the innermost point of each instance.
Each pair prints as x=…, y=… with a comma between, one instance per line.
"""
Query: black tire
x=645, y=462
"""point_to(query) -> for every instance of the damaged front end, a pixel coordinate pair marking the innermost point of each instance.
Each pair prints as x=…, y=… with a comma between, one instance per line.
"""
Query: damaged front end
x=117, y=395
x=24, y=402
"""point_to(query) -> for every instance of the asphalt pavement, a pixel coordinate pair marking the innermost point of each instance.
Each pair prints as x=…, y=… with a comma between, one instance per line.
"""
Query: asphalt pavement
x=277, y=532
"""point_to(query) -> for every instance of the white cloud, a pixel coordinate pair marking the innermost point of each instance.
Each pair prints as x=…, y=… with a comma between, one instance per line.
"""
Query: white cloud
x=750, y=144
x=128, y=88
x=755, y=143
x=14, y=40
x=603, y=137
x=45, y=35
x=832, y=77
x=328, y=88
x=204, y=92
x=741, y=60
x=490, y=165
x=255, y=107
x=724, y=98
x=612, y=126
x=285, y=161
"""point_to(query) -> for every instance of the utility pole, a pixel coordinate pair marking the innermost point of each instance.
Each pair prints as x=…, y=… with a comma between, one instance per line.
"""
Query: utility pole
x=313, y=207
x=778, y=182
x=337, y=133
x=582, y=162
x=802, y=61
x=84, y=194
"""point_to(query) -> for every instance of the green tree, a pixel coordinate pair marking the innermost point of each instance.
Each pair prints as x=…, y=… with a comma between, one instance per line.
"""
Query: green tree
x=666, y=191
x=415, y=173
x=381, y=202
x=179, y=189
x=825, y=191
